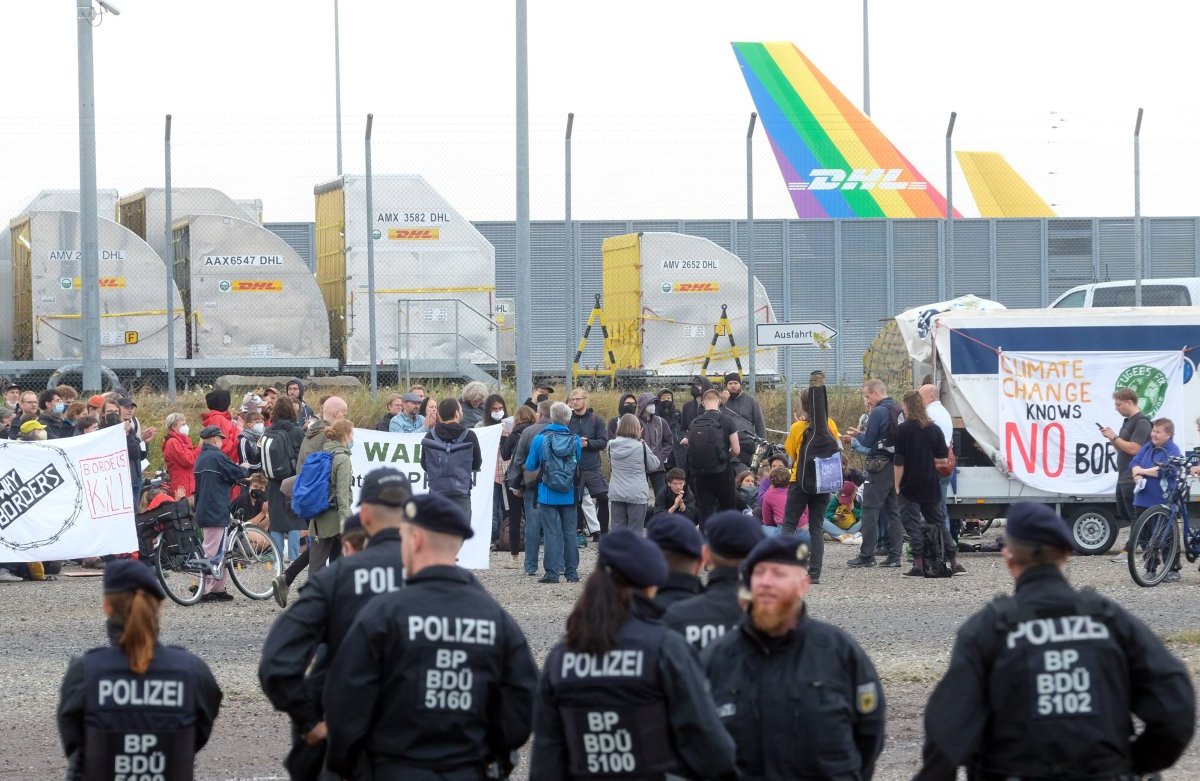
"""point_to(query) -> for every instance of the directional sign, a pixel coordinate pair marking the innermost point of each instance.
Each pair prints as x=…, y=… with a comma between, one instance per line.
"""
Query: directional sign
x=794, y=334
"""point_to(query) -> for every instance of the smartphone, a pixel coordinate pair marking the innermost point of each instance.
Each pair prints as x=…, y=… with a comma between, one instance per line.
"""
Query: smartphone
x=1100, y=426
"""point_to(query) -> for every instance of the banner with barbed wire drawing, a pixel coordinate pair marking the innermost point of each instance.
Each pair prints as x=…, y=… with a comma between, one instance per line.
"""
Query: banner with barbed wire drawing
x=66, y=498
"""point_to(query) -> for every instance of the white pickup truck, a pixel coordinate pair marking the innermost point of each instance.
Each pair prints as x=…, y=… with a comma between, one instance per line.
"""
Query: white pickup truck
x=960, y=344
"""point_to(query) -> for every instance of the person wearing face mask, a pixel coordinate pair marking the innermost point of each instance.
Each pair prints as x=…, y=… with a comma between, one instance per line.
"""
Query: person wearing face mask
x=665, y=409
x=541, y=393
x=693, y=409
x=50, y=414
x=495, y=413
x=179, y=456
x=656, y=433
x=248, y=437
x=626, y=406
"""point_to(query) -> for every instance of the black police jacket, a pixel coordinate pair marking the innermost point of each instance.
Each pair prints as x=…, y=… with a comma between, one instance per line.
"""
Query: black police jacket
x=436, y=675
x=708, y=616
x=115, y=722
x=816, y=684
x=328, y=604
x=679, y=586
x=1042, y=685
x=638, y=711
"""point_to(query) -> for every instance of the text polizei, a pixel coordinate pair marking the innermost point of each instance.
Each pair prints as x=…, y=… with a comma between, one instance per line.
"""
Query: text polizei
x=443, y=629
x=147, y=693
x=614, y=664
x=703, y=633
x=1065, y=629
x=375, y=580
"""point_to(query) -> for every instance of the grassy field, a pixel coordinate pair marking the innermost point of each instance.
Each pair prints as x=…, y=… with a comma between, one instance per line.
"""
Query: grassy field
x=153, y=408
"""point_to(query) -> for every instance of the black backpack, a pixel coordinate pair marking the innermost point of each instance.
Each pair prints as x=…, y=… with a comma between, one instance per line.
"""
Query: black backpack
x=934, y=563
x=890, y=437
x=708, y=446
x=278, y=455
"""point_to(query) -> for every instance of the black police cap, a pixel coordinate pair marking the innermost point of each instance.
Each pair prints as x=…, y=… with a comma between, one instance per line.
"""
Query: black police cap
x=352, y=523
x=124, y=575
x=672, y=531
x=633, y=557
x=733, y=534
x=438, y=514
x=792, y=549
x=386, y=486
x=1037, y=524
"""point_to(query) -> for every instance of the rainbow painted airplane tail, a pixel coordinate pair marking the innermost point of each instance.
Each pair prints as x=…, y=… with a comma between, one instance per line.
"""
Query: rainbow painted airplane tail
x=835, y=162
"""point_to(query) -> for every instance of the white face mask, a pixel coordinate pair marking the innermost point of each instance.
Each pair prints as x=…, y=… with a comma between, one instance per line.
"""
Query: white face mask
x=498, y=415
x=184, y=429
x=650, y=409
x=258, y=428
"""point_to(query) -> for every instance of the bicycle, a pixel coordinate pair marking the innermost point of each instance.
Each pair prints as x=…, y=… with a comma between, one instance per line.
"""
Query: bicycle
x=1154, y=536
x=247, y=551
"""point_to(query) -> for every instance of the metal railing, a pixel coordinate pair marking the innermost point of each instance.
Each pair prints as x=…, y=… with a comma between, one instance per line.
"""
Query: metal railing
x=418, y=350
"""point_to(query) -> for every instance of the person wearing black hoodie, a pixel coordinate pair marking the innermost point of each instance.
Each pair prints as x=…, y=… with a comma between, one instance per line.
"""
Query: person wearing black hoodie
x=591, y=504
x=295, y=390
x=817, y=439
x=447, y=479
x=692, y=409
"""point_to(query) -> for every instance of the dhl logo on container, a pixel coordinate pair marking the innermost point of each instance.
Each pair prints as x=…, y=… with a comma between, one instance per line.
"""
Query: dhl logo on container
x=257, y=286
x=691, y=287
x=110, y=283
x=414, y=234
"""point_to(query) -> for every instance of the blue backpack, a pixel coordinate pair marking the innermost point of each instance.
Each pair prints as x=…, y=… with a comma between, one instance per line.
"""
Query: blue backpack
x=559, y=461
x=310, y=494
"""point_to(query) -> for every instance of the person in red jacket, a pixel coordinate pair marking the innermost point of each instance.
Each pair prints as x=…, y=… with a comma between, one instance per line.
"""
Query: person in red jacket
x=218, y=415
x=179, y=455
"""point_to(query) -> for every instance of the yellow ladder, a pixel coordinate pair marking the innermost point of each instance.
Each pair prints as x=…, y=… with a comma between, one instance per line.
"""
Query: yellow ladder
x=722, y=328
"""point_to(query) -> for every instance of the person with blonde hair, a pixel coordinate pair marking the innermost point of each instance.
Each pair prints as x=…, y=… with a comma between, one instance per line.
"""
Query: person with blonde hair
x=134, y=700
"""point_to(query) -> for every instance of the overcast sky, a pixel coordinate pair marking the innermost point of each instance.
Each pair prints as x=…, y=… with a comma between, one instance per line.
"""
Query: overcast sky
x=661, y=107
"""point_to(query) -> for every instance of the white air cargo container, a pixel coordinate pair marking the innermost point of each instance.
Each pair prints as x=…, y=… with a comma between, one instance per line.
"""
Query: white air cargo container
x=46, y=301
x=664, y=294
x=6, y=295
x=145, y=212
x=246, y=292
x=435, y=275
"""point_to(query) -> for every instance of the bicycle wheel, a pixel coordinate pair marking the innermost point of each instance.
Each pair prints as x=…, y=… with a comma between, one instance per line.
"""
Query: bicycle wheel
x=253, y=562
x=182, y=585
x=1153, y=545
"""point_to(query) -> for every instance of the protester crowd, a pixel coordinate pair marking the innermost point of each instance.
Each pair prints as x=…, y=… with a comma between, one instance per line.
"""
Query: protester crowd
x=660, y=672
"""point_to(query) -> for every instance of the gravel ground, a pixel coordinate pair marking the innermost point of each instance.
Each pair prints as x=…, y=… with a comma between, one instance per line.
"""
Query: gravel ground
x=905, y=624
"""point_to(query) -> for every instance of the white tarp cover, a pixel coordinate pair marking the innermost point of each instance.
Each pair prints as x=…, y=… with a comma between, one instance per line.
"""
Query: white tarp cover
x=66, y=498
x=916, y=323
x=373, y=449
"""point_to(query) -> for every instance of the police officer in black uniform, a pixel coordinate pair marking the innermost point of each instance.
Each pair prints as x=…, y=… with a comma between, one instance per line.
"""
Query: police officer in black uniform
x=622, y=695
x=434, y=681
x=784, y=668
x=134, y=708
x=327, y=606
x=1041, y=684
x=704, y=618
x=676, y=536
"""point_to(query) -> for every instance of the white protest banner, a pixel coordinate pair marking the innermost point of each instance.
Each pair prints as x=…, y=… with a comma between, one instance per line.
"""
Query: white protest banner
x=66, y=498
x=1052, y=406
x=373, y=449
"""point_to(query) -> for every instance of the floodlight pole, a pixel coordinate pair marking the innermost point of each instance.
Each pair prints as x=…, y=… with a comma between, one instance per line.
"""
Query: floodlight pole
x=524, y=318
x=751, y=335
x=169, y=263
x=1137, y=210
x=89, y=271
x=949, y=276
x=572, y=272
x=371, y=262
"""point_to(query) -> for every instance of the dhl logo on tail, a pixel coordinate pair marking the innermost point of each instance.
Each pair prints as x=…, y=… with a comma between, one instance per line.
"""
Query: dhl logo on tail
x=106, y=283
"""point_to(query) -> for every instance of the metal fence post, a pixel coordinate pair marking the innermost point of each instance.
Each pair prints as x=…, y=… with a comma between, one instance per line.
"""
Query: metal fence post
x=89, y=241
x=786, y=352
x=523, y=320
x=169, y=263
x=950, y=208
x=839, y=365
x=1137, y=210
x=751, y=334
x=572, y=272
x=371, y=263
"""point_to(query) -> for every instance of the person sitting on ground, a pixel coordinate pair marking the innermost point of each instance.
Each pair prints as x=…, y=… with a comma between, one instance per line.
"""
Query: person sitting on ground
x=408, y=419
x=677, y=497
x=773, y=463
x=746, y=490
x=251, y=506
x=775, y=500
x=842, y=518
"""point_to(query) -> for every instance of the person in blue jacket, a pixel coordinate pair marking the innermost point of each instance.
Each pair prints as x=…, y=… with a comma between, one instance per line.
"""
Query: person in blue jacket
x=1153, y=479
x=554, y=452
